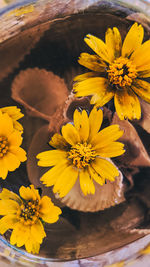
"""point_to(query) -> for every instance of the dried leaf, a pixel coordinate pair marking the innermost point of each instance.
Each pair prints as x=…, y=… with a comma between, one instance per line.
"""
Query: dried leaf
x=136, y=154
x=39, y=91
x=39, y=143
x=110, y=194
x=145, y=120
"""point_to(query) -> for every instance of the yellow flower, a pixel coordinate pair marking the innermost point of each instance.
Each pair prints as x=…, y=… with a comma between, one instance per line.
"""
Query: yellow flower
x=24, y=216
x=117, y=71
x=80, y=152
x=11, y=154
x=15, y=114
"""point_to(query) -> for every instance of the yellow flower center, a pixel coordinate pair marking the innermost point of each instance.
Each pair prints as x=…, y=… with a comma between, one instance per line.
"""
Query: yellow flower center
x=81, y=155
x=122, y=72
x=29, y=212
x=3, y=146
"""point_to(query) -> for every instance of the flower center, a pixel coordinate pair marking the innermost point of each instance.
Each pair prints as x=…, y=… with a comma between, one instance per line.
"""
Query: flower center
x=3, y=146
x=29, y=212
x=122, y=72
x=82, y=155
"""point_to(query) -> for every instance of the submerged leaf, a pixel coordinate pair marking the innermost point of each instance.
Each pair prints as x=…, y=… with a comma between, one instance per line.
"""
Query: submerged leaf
x=136, y=154
x=39, y=91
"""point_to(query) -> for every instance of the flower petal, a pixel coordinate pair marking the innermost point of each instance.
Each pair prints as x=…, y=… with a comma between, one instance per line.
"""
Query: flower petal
x=113, y=42
x=105, y=169
x=11, y=161
x=98, y=46
x=3, y=169
x=142, y=88
x=48, y=212
x=127, y=104
x=132, y=40
x=37, y=232
x=86, y=183
x=65, y=181
x=106, y=136
x=57, y=141
x=95, y=121
x=6, y=194
x=29, y=193
x=114, y=149
x=84, y=76
x=50, y=177
x=70, y=134
x=141, y=57
x=7, y=222
x=81, y=123
x=15, y=139
x=8, y=206
x=94, y=175
x=92, y=62
x=51, y=157
x=19, y=152
x=6, y=124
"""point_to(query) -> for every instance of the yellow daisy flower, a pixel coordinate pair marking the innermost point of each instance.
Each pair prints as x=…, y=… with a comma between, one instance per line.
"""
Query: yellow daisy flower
x=15, y=114
x=117, y=71
x=80, y=152
x=24, y=216
x=11, y=154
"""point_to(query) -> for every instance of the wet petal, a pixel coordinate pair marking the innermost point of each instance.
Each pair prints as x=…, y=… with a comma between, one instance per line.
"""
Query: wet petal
x=92, y=62
x=11, y=161
x=7, y=222
x=51, y=157
x=142, y=88
x=141, y=57
x=132, y=40
x=86, y=183
x=70, y=134
x=114, y=149
x=113, y=42
x=19, y=152
x=81, y=123
x=127, y=104
x=8, y=206
x=57, y=141
x=15, y=139
x=3, y=169
x=95, y=121
x=105, y=169
x=37, y=232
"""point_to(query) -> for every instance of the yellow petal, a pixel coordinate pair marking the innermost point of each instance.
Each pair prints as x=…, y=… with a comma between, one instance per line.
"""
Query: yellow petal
x=17, y=126
x=37, y=232
x=50, y=177
x=105, y=169
x=141, y=57
x=19, y=152
x=23, y=233
x=98, y=46
x=90, y=86
x=114, y=149
x=7, y=222
x=29, y=193
x=58, y=141
x=70, y=134
x=106, y=136
x=127, y=104
x=84, y=76
x=142, y=88
x=132, y=40
x=51, y=157
x=102, y=98
x=8, y=206
x=13, y=112
x=81, y=123
x=3, y=169
x=144, y=74
x=15, y=139
x=92, y=62
x=48, y=212
x=113, y=42
x=6, y=194
x=94, y=175
x=11, y=161
x=95, y=121
x=6, y=124
x=65, y=181
x=86, y=183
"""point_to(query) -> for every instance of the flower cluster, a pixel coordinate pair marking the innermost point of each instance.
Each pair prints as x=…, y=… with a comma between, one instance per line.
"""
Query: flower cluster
x=24, y=215
x=117, y=70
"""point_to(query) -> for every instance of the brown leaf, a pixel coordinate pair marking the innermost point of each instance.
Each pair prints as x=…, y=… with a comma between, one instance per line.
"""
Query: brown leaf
x=39, y=144
x=135, y=154
x=145, y=119
x=39, y=91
